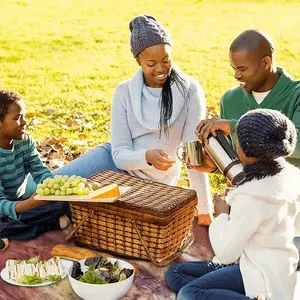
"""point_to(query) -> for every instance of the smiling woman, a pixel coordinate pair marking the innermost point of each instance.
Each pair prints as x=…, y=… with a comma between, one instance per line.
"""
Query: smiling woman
x=152, y=114
x=156, y=62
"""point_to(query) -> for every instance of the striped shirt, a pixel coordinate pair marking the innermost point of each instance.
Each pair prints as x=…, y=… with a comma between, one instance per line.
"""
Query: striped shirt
x=15, y=165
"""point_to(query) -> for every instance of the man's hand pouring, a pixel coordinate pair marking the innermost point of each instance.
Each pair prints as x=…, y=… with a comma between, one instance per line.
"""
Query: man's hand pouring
x=207, y=126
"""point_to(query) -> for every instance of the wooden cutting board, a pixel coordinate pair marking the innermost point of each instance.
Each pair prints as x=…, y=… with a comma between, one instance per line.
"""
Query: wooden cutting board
x=83, y=198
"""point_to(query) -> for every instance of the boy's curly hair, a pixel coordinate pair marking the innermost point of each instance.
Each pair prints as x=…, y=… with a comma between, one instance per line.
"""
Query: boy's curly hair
x=7, y=98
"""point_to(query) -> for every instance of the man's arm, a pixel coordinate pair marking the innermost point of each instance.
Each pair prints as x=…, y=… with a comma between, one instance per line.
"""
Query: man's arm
x=209, y=126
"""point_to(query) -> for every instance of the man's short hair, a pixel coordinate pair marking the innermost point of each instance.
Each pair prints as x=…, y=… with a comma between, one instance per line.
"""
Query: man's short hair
x=254, y=41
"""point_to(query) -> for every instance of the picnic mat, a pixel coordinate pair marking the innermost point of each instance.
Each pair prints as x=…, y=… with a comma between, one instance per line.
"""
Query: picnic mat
x=148, y=284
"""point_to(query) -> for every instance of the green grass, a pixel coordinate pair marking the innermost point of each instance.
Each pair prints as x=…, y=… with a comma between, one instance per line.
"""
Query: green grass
x=70, y=54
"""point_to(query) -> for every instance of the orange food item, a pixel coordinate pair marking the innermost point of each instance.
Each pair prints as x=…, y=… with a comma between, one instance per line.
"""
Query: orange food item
x=108, y=191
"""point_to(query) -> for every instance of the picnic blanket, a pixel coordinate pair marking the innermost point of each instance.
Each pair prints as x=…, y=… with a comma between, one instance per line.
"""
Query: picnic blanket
x=149, y=284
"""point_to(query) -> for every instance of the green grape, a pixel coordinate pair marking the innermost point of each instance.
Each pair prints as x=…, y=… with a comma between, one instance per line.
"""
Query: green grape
x=46, y=191
x=57, y=193
x=65, y=178
x=72, y=177
x=69, y=191
x=40, y=191
x=47, y=180
x=67, y=184
x=57, y=178
x=81, y=185
x=79, y=191
x=84, y=180
x=74, y=183
x=56, y=186
x=95, y=186
x=78, y=178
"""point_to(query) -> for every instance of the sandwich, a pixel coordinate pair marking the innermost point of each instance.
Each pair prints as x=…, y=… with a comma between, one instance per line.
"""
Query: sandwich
x=34, y=267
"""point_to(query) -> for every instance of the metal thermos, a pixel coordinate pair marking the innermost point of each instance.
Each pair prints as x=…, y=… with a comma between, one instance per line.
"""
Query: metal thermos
x=226, y=159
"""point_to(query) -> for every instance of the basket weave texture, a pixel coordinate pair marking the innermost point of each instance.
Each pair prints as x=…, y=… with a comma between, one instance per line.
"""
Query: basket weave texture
x=162, y=217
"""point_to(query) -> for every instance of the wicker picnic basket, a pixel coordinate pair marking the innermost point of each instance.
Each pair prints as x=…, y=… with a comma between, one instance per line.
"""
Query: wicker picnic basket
x=151, y=221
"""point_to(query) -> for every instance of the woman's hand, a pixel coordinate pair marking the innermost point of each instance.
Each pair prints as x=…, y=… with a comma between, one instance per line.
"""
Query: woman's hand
x=160, y=159
x=220, y=205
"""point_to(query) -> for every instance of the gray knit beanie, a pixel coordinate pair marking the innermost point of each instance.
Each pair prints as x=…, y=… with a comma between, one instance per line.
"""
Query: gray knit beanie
x=266, y=133
x=146, y=31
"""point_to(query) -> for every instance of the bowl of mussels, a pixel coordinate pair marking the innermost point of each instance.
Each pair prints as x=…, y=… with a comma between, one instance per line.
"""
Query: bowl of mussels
x=101, y=278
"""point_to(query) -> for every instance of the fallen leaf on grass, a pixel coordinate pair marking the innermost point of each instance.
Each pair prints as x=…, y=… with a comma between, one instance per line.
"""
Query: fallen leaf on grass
x=83, y=136
x=75, y=122
x=79, y=143
x=50, y=111
x=33, y=114
x=87, y=126
x=56, y=159
x=53, y=141
x=78, y=115
x=213, y=111
x=54, y=153
x=33, y=123
x=65, y=126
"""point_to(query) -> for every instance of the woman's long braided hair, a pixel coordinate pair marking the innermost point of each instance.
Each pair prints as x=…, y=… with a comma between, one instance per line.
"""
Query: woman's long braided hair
x=166, y=99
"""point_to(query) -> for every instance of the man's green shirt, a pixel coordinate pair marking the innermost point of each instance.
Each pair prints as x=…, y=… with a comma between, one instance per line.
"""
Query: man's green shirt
x=284, y=96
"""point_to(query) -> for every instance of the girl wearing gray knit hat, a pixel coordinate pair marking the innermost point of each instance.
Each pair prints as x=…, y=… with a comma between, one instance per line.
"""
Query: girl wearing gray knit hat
x=152, y=114
x=255, y=257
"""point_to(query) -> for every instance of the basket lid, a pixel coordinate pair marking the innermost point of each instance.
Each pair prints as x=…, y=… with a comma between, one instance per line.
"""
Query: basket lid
x=146, y=196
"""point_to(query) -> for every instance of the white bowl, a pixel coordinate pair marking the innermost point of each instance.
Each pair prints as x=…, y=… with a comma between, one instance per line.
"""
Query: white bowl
x=110, y=291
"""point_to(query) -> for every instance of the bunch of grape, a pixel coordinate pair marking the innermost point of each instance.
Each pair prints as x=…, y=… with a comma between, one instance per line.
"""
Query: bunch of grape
x=65, y=186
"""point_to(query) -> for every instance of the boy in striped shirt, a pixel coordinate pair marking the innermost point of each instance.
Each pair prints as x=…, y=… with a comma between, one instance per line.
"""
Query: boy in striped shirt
x=22, y=217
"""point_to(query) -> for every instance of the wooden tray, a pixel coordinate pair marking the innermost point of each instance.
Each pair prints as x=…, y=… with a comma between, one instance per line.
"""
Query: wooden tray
x=85, y=198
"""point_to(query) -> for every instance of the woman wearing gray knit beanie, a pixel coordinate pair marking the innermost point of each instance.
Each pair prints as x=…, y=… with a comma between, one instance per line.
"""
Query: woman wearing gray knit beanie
x=152, y=114
x=255, y=257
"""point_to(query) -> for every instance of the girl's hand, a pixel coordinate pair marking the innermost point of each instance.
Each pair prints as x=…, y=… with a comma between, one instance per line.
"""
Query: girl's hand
x=220, y=205
x=160, y=159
